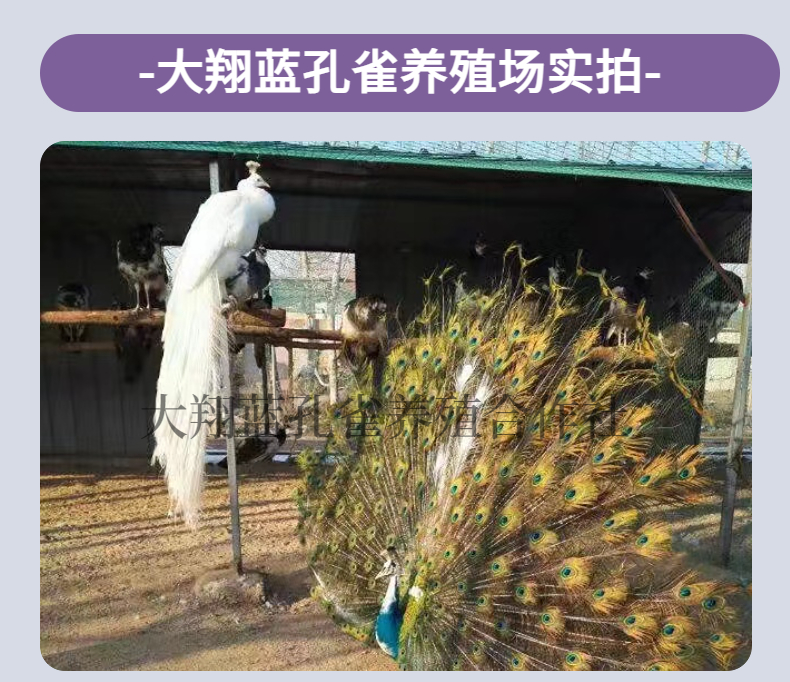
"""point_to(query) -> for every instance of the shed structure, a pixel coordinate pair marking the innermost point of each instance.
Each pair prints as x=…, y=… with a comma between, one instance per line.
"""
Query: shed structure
x=403, y=208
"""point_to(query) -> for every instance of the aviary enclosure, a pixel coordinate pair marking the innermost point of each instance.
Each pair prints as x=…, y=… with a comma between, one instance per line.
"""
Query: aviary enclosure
x=482, y=405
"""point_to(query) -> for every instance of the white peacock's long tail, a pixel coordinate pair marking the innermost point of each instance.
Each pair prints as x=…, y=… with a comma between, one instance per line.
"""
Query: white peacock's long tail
x=195, y=341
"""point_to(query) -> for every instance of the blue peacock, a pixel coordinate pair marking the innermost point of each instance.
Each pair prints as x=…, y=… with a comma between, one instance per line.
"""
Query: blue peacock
x=496, y=502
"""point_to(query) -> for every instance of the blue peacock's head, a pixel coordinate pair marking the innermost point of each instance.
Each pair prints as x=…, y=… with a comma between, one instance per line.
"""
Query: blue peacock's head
x=391, y=564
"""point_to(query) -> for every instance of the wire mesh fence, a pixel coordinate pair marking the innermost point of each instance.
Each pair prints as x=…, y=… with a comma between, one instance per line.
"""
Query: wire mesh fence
x=708, y=318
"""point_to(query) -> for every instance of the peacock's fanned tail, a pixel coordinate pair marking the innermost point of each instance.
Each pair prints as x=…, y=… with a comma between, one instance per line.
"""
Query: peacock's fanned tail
x=509, y=470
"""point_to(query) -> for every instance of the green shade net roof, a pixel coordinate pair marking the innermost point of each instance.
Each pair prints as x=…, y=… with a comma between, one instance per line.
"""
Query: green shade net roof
x=725, y=165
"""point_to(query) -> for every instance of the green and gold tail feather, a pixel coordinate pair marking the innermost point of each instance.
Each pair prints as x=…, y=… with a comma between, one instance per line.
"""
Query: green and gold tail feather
x=509, y=470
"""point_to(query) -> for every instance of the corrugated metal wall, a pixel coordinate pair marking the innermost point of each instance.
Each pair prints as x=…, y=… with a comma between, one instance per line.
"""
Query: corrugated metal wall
x=400, y=228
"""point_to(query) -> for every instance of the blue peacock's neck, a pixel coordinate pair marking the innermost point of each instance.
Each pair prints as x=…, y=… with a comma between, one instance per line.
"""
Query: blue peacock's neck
x=389, y=620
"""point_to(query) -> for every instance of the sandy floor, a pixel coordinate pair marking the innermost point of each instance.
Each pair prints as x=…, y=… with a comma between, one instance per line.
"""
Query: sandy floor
x=117, y=582
x=117, y=578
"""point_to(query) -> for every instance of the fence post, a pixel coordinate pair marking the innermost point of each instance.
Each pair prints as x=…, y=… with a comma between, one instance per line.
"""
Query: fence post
x=733, y=467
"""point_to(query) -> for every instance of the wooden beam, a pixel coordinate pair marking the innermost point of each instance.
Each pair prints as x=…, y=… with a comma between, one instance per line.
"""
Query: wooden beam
x=687, y=224
x=107, y=318
x=249, y=318
x=284, y=333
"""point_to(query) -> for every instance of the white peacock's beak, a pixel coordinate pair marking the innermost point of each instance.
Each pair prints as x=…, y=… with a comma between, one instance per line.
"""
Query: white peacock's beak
x=265, y=184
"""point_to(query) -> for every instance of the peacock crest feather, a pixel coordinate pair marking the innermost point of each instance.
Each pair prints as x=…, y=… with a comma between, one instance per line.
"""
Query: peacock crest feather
x=511, y=487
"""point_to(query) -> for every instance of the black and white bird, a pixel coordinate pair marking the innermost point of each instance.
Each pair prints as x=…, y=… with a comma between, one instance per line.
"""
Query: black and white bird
x=715, y=302
x=141, y=263
x=72, y=296
x=257, y=449
x=252, y=278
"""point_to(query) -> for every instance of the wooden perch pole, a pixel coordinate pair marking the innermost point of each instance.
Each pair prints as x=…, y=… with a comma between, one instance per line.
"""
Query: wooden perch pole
x=687, y=224
x=254, y=318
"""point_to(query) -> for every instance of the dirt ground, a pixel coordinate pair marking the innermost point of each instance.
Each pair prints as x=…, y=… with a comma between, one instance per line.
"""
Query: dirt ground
x=117, y=578
x=117, y=581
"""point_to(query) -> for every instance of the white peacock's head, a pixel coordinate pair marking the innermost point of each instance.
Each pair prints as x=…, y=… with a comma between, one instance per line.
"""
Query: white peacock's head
x=254, y=179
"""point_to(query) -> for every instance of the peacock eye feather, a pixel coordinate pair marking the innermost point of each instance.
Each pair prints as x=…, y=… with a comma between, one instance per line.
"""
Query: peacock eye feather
x=546, y=618
x=599, y=594
x=683, y=474
x=642, y=540
x=684, y=592
x=570, y=494
x=644, y=480
x=668, y=630
x=627, y=431
x=599, y=457
x=537, y=354
x=629, y=620
x=711, y=604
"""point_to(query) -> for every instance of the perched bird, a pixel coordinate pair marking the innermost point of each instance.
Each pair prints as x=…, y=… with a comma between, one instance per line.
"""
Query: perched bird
x=674, y=338
x=623, y=307
x=364, y=330
x=72, y=296
x=257, y=448
x=479, y=247
x=557, y=271
x=195, y=334
x=141, y=263
x=504, y=517
x=252, y=278
x=714, y=302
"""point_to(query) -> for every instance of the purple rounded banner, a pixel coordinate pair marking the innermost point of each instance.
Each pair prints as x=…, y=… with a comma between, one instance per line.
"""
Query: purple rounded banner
x=159, y=72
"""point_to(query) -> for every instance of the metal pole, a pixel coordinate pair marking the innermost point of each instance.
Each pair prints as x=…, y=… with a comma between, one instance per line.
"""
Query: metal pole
x=233, y=486
x=213, y=176
x=740, y=400
x=265, y=389
x=230, y=434
x=275, y=386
